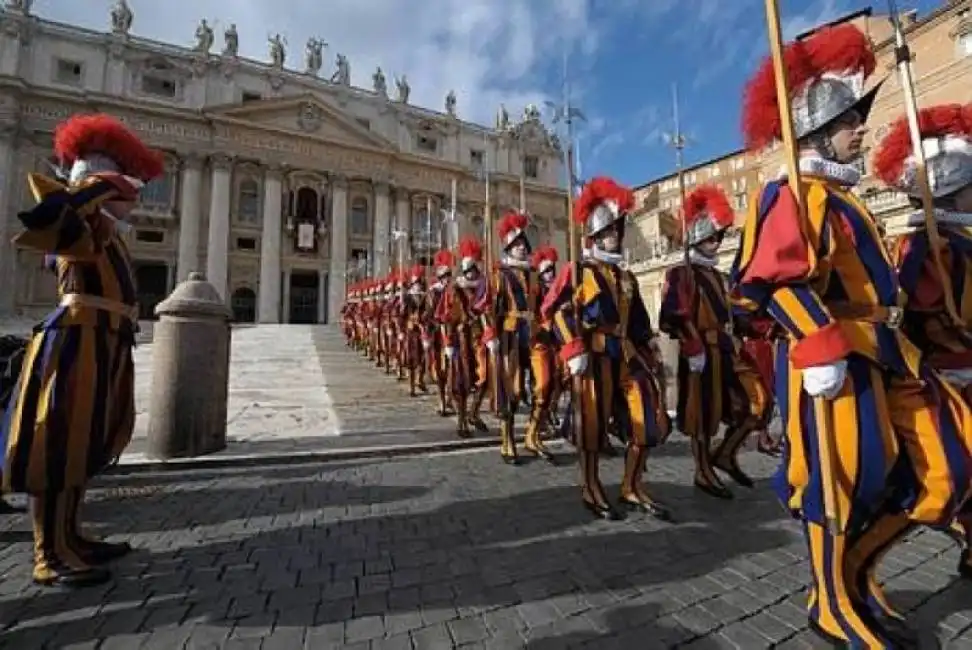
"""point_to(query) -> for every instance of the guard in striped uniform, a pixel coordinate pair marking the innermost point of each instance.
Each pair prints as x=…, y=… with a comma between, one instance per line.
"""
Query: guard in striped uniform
x=410, y=330
x=511, y=324
x=432, y=340
x=716, y=385
x=893, y=457
x=605, y=337
x=544, y=368
x=461, y=315
x=946, y=133
x=73, y=411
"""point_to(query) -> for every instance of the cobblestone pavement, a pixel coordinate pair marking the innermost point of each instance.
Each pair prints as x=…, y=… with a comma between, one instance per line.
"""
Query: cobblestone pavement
x=444, y=552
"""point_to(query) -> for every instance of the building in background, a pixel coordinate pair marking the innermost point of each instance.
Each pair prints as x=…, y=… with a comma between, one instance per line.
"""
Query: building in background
x=284, y=181
x=941, y=43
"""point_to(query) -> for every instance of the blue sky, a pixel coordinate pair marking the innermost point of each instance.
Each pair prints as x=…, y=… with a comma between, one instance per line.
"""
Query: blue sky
x=625, y=56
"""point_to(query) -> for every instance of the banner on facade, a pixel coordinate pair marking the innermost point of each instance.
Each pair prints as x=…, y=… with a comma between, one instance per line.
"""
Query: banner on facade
x=305, y=236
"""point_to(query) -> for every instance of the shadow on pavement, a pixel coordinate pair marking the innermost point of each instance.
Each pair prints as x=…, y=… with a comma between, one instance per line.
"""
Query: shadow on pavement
x=386, y=564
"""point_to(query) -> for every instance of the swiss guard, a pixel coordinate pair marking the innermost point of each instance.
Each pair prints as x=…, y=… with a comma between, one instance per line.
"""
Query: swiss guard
x=432, y=342
x=461, y=314
x=946, y=133
x=410, y=332
x=73, y=411
x=545, y=369
x=605, y=338
x=871, y=433
x=512, y=322
x=716, y=385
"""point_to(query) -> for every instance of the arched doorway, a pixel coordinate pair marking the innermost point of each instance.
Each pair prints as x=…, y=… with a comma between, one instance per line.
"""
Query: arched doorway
x=243, y=304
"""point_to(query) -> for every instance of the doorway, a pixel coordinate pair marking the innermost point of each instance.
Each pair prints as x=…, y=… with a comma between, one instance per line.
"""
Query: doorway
x=151, y=286
x=304, y=293
x=243, y=303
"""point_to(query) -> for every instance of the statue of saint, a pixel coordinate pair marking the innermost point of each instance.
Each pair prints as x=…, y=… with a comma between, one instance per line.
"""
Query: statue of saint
x=278, y=51
x=450, y=103
x=121, y=17
x=204, y=37
x=380, y=84
x=404, y=90
x=231, y=41
x=314, y=55
x=342, y=76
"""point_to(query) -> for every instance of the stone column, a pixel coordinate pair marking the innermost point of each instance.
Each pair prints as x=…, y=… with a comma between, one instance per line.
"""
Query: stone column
x=8, y=254
x=286, y=297
x=217, y=257
x=382, y=228
x=322, y=315
x=339, y=245
x=269, y=301
x=403, y=221
x=190, y=217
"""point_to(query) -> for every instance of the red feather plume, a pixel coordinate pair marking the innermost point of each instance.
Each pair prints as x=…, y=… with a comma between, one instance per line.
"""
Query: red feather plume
x=417, y=271
x=445, y=258
x=512, y=220
x=599, y=190
x=470, y=247
x=83, y=135
x=834, y=49
x=709, y=200
x=936, y=121
x=545, y=254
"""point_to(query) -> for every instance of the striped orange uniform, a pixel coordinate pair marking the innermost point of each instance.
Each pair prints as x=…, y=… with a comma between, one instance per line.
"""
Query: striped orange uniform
x=821, y=270
x=544, y=366
x=433, y=340
x=462, y=321
x=409, y=327
x=73, y=411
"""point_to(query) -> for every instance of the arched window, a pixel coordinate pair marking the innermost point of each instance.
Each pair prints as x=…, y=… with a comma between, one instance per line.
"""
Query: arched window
x=157, y=194
x=307, y=204
x=243, y=304
x=249, y=201
x=360, y=219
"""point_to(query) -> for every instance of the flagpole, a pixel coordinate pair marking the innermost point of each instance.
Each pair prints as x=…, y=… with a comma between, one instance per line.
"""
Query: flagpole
x=822, y=407
x=903, y=61
x=488, y=213
x=428, y=226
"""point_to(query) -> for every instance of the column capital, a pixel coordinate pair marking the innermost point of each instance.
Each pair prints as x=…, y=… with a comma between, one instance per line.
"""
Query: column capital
x=274, y=172
x=221, y=162
x=381, y=187
x=338, y=181
x=190, y=160
x=402, y=193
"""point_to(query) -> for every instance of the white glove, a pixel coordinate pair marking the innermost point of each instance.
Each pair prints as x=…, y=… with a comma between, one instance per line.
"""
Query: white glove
x=696, y=363
x=825, y=381
x=388, y=331
x=426, y=344
x=401, y=337
x=960, y=377
x=577, y=365
x=492, y=345
x=450, y=352
x=374, y=329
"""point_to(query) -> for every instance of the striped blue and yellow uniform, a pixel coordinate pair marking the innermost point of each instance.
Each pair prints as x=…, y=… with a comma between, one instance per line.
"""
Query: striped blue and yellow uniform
x=73, y=411
x=512, y=320
x=900, y=453
x=695, y=311
x=614, y=329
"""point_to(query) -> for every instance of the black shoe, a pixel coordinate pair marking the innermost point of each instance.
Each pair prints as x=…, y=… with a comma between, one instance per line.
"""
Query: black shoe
x=899, y=633
x=76, y=578
x=717, y=491
x=103, y=552
x=542, y=452
x=965, y=564
x=827, y=637
x=603, y=511
x=650, y=508
x=511, y=459
x=737, y=475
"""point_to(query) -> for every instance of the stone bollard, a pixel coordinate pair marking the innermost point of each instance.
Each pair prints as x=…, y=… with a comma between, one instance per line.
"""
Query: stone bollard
x=190, y=372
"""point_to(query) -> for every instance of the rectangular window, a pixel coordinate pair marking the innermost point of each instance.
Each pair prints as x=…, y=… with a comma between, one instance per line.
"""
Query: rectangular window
x=531, y=167
x=249, y=96
x=365, y=122
x=158, y=86
x=69, y=73
x=150, y=236
x=477, y=157
x=427, y=144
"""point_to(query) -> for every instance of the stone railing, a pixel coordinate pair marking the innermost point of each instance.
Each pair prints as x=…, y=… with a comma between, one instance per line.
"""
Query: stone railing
x=659, y=253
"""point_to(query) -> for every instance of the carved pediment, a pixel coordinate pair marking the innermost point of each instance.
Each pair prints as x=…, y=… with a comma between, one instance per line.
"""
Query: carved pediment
x=305, y=114
x=161, y=64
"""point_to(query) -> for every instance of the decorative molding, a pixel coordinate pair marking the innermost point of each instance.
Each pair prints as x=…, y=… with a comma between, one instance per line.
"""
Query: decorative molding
x=221, y=162
x=338, y=181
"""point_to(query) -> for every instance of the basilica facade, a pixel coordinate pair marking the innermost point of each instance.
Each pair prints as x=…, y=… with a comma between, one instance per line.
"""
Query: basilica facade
x=285, y=182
